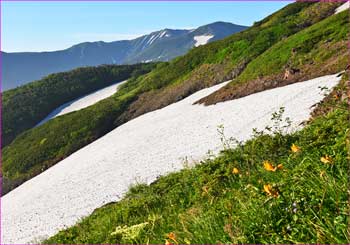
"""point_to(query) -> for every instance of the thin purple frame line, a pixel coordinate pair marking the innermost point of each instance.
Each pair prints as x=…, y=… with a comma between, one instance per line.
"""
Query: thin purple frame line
x=100, y=2
x=168, y=1
x=0, y=122
x=81, y=1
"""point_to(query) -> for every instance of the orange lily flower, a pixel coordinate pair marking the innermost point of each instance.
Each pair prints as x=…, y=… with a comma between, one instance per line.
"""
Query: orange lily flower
x=269, y=167
x=326, y=159
x=172, y=236
x=295, y=148
x=270, y=191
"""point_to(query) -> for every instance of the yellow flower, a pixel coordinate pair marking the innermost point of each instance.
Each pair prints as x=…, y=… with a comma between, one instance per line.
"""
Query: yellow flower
x=172, y=236
x=270, y=191
x=205, y=190
x=267, y=188
x=326, y=159
x=235, y=171
x=295, y=148
x=187, y=241
x=322, y=173
x=269, y=167
x=167, y=242
x=280, y=166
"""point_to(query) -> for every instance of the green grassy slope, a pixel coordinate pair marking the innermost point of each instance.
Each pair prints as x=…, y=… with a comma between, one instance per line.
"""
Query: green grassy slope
x=313, y=45
x=27, y=105
x=37, y=149
x=225, y=59
x=315, y=51
x=233, y=198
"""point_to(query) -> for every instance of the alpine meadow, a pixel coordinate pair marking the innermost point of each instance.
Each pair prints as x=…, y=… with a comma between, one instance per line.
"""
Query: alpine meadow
x=220, y=134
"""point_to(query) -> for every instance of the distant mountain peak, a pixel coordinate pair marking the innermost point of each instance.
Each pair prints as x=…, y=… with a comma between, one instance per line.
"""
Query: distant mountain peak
x=162, y=45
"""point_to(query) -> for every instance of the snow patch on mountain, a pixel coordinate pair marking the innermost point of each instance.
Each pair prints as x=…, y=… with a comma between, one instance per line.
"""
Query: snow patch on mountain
x=83, y=102
x=140, y=151
x=342, y=7
x=152, y=39
x=147, y=61
x=157, y=36
x=201, y=40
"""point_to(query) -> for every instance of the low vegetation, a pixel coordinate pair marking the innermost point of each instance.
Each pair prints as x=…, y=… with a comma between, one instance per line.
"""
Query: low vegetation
x=318, y=50
x=27, y=105
x=275, y=188
x=37, y=149
x=225, y=59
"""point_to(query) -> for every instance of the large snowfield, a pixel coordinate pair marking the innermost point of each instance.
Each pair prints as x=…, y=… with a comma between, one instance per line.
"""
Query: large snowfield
x=83, y=102
x=139, y=151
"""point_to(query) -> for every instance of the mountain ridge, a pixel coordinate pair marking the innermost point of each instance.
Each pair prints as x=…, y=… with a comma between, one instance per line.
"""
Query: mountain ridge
x=162, y=45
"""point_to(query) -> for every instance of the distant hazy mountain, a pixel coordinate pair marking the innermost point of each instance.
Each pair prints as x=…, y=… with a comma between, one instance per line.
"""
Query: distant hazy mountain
x=21, y=68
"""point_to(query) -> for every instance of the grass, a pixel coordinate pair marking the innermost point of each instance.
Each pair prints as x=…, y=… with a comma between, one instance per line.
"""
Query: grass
x=317, y=50
x=233, y=198
x=308, y=44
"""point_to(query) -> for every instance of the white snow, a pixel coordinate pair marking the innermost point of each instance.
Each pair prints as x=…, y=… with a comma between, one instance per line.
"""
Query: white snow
x=153, y=38
x=201, y=40
x=162, y=34
x=140, y=150
x=82, y=102
x=342, y=7
x=150, y=40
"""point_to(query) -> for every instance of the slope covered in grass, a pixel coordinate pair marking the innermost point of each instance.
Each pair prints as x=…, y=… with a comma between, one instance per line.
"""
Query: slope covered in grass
x=83, y=102
x=39, y=148
x=25, y=106
x=273, y=189
x=225, y=59
x=315, y=51
x=143, y=149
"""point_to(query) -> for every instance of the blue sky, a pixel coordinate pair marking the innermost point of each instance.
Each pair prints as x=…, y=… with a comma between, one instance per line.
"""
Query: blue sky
x=46, y=26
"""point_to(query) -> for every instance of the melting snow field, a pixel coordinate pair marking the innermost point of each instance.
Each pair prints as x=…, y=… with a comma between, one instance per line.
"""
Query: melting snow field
x=342, y=7
x=139, y=151
x=201, y=40
x=83, y=102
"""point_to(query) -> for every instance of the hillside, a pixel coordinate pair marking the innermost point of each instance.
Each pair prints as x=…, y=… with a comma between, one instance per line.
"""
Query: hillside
x=228, y=58
x=162, y=161
x=83, y=101
x=27, y=105
x=40, y=147
x=143, y=149
x=163, y=45
x=315, y=51
x=234, y=199
x=202, y=67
